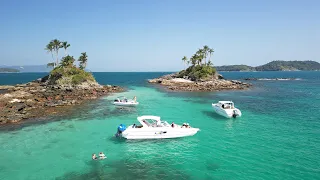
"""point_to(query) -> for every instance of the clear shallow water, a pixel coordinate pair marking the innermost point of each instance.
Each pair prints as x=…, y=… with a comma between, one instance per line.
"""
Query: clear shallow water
x=277, y=137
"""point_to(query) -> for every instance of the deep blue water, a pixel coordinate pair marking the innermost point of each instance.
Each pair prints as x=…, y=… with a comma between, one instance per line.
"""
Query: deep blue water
x=139, y=78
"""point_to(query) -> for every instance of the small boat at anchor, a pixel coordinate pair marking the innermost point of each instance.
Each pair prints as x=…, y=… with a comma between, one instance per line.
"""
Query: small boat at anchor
x=123, y=101
x=226, y=109
x=151, y=127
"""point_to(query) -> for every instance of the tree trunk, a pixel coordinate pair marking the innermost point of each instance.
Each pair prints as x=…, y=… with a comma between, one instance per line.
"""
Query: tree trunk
x=52, y=57
x=57, y=57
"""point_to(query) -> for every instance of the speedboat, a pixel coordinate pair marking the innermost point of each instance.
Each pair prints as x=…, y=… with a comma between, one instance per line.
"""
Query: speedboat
x=123, y=101
x=151, y=127
x=226, y=109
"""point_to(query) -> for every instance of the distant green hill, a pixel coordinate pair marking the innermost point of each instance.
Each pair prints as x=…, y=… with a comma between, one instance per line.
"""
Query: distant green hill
x=235, y=68
x=8, y=70
x=275, y=66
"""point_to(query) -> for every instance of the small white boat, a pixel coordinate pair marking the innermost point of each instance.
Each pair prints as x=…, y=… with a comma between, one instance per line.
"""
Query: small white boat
x=226, y=109
x=151, y=127
x=123, y=101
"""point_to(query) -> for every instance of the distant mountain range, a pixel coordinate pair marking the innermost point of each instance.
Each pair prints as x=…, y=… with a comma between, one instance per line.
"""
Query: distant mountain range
x=29, y=68
x=275, y=66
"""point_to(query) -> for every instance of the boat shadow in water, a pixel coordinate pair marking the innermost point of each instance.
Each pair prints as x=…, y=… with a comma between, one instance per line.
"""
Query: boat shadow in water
x=117, y=140
x=214, y=115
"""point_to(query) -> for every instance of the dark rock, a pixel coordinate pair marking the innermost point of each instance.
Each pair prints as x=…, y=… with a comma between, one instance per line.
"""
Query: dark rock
x=220, y=76
x=20, y=107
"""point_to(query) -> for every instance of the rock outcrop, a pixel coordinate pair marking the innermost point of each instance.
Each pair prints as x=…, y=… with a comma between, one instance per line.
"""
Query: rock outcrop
x=37, y=99
x=217, y=83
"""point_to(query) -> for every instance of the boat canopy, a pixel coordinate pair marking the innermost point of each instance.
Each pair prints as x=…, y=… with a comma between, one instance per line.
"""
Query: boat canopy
x=225, y=102
x=144, y=120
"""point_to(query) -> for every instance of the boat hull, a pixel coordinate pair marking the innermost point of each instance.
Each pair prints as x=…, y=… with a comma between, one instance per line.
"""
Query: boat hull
x=158, y=133
x=125, y=104
x=228, y=113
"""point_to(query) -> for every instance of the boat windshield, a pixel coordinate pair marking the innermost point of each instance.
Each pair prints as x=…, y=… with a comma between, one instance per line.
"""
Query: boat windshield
x=165, y=124
x=155, y=123
x=227, y=105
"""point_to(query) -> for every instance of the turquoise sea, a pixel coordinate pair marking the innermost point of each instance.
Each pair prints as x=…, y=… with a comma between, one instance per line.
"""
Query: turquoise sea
x=278, y=136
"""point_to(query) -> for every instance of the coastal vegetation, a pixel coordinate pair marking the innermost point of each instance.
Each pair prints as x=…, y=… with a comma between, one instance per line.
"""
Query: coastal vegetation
x=65, y=71
x=11, y=70
x=275, y=66
x=201, y=67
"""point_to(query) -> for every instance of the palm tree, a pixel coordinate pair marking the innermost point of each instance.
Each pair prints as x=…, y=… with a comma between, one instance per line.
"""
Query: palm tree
x=193, y=60
x=65, y=45
x=83, y=60
x=56, y=46
x=209, y=63
x=210, y=52
x=200, y=58
x=184, y=59
x=51, y=65
x=67, y=61
x=205, y=51
x=200, y=54
x=49, y=48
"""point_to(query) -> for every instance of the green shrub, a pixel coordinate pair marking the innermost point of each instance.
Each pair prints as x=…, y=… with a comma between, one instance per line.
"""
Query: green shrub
x=78, y=79
x=76, y=75
x=198, y=72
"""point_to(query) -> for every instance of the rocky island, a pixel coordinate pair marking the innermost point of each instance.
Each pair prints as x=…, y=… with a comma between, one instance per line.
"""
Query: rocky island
x=199, y=76
x=275, y=66
x=66, y=85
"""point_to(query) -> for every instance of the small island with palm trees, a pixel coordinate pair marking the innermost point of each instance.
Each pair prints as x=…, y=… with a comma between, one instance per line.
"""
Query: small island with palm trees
x=199, y=76
x=65, y=73
x=65, y=86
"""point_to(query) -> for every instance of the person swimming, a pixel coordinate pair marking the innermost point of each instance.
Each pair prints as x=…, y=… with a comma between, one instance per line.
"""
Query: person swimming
x=102, y=156
x=94, y=157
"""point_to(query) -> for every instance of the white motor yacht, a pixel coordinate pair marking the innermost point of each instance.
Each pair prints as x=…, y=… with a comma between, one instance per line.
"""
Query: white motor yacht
x=226, y=109
x=123, y=101
x=151, y=127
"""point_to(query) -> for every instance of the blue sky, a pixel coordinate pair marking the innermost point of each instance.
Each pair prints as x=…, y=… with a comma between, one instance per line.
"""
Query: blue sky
x=153, y=35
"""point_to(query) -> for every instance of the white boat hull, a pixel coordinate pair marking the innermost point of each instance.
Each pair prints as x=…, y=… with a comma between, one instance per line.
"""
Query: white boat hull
x=228, y=113
x=158, y=133
x=125, y=103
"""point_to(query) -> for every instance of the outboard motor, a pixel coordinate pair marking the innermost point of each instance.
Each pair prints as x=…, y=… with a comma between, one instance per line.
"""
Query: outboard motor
x=235, y=114
x=120, y=129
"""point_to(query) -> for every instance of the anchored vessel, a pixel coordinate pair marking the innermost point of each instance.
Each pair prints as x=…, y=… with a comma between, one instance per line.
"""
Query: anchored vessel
x=151, y=127
x=226, y=109
x=123, y=101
